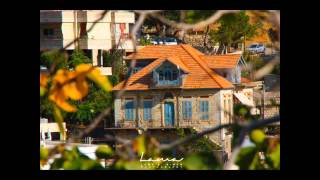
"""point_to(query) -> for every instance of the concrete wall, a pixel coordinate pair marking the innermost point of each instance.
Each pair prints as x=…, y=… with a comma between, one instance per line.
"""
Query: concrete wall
x=98, y=38
x=85, y=16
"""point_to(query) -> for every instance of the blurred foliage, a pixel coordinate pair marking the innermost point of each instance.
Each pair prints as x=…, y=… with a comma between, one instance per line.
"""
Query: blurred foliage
x=276, y=69
x=54, y=60
x=113, y=58
x=91, y=106
x=64, y=86
x=144, y=42
x=75, y=160
x=242, y=112
x=264, y=155
x=78, y=57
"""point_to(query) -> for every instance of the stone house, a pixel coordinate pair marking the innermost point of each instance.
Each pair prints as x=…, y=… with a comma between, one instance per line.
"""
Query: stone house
x=177, y=87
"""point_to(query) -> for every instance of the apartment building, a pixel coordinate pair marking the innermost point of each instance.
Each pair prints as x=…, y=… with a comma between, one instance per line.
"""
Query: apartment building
x=96, y=33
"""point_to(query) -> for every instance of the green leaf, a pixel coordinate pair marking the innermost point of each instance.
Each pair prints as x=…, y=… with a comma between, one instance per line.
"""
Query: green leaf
x=274, y=156
x=135, y=165
x=104, y=152
x=245, y=157
x=44, y=153
x=42, y=91
x=140, y=145
x=194, y=162
x=257, y=136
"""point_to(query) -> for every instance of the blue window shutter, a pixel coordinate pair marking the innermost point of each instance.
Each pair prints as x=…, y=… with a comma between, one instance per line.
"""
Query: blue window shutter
x=187, y=109
x=129, y=110
x=147, y=106
x=184, y=109
x=204, y=110
x=190, y=109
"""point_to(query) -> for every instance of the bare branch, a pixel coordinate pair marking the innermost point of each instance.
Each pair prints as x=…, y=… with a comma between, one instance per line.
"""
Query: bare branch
x=201, y=24
x=266, y=69
x=103, y=14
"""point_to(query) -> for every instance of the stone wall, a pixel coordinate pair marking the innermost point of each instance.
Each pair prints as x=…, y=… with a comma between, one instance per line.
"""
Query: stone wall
x=216, y=114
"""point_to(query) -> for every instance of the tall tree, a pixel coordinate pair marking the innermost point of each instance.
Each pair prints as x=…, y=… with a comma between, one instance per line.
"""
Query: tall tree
x=234, y=29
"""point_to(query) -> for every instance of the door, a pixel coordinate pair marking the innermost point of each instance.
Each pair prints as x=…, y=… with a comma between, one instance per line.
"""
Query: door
x=169, y=113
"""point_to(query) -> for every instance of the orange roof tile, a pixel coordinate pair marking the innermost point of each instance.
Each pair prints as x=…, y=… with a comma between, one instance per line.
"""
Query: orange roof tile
x=222, y=61
x=157, y=51
x=177, y=61
x=187, y=58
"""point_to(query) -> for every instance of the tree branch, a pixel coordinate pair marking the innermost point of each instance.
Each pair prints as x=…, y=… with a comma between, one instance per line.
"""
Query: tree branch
x=184, y=26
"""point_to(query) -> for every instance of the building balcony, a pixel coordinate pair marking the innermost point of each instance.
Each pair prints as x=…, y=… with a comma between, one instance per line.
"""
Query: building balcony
x=54, y=43
x=168, y=83
x=106, y=71
x=85, y=43
x=124, y=42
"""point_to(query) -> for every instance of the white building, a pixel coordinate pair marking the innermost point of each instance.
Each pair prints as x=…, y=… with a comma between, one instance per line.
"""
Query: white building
x=58, y=28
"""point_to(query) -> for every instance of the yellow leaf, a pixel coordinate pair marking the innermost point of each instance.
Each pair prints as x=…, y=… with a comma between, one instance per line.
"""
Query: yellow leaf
x=101, y=80
x=61, y=76
x=83, y=68
x=58, y=96
x=58, y=118
x=82, y=85
x=76, y=90
x=43, y=79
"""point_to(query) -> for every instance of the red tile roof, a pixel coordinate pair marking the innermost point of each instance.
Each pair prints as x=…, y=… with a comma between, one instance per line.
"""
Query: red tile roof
x=222, y=61
x=187, y=58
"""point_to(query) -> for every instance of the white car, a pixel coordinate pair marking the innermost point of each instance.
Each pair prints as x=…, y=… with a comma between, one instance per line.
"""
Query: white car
x=256, y=48
x=170, y=41
x=156, y=41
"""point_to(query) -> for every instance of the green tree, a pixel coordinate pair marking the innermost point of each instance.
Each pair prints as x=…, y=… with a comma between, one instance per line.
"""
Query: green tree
x=234, y=29
x=145, y=42
x=78, y=57
x=88, y=108
x=185, y=16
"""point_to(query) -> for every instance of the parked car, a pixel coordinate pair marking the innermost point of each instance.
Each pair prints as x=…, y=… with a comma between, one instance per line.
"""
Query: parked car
x=256, y=48
x=170, y=41
x=156, y=41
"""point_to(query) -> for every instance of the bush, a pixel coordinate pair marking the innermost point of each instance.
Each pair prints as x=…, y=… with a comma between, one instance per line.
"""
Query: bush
x=145, y=42
x=77, y=58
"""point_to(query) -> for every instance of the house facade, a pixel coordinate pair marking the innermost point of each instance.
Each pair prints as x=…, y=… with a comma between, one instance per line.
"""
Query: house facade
x=58, y=28
x=178, y=87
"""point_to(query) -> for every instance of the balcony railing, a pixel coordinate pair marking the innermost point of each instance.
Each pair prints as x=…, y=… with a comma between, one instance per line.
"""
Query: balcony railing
x=106, y=71
x=168, y=82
